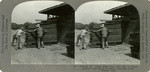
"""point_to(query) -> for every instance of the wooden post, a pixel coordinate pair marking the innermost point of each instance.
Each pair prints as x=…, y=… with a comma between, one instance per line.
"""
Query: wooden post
x=113, y=16
x=47, y=16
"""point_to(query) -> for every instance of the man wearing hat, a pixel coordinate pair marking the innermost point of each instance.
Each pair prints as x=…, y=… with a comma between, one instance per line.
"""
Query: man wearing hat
x=39, y=32
x=104, y=32
x=20, y=35
x=81, y=37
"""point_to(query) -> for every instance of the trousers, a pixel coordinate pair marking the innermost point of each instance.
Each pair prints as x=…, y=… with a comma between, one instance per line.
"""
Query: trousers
x=40, y=42
x=83, y=43
x=104, y=42
x=20, y=41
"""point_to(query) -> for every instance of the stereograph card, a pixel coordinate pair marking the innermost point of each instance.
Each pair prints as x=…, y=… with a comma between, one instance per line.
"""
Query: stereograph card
x=75, y=35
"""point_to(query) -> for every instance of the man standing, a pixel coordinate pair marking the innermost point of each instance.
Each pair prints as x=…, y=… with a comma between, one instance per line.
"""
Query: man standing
x=39, y=36
x=82, y=36
x=104, y=32
x=14, y=37
x=78, y=38
x=20, y=35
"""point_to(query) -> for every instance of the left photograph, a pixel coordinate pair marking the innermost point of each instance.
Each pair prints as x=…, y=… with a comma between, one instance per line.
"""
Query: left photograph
x=42, y=32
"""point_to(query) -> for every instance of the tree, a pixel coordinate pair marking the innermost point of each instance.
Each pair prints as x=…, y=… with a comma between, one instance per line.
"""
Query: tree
x=26, y=25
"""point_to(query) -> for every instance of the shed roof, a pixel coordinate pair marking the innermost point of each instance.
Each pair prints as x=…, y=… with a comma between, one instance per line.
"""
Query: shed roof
x=60, y=9
x=124, y=10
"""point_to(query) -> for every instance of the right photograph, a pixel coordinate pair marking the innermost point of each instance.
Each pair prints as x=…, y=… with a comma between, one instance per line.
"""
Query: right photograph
x=107, y=32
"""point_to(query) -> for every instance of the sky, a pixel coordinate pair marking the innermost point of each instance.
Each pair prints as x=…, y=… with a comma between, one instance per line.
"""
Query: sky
x=29, y=11
x=86, y=13
x=93, y=11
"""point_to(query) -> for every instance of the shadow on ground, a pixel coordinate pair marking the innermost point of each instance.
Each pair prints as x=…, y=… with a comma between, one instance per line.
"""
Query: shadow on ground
x=65, y=54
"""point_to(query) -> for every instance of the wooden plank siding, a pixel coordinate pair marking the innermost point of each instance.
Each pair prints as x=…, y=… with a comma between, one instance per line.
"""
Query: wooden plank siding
x=51, y=32
x=115, y=36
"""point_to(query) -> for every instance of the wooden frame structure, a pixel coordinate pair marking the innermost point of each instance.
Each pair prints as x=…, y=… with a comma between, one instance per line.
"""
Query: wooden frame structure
x=59, y=23
x=128, y=17
x=124, y=28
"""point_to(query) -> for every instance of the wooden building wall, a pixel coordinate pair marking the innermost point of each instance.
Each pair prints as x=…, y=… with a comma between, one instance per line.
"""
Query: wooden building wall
x=114, y=37
x=51, y=31
x=65, y=26
x=119, y=31
x=55, y=30
x=132, y=37
x=50, y=35
x=115, y=32
x=131, y=27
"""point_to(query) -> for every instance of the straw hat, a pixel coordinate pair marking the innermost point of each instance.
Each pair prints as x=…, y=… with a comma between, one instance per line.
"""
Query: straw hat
x=38, y=25
x=102, y=25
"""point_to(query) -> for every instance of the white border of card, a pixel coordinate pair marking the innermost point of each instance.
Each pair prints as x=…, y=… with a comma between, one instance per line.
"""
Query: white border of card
x=6, y=8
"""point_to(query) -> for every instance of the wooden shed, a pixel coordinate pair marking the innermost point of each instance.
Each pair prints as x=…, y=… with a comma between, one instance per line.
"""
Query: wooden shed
x=114, y=38
x=128, y=17
x=124, y=27
x=59, y=23
x=125, y=20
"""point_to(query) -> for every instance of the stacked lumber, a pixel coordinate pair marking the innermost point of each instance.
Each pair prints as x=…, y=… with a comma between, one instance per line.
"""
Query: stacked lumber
x=64, y=27
x=50, y=35
x=70, y=44
x=114, y=37
x=67, y=34
x=115, y=32
x=131, y=26
x=135, y=45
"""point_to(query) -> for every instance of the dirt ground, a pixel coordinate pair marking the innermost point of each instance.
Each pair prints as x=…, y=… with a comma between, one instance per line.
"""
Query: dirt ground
x=117, y=54
x=56, y=54
x=51, y=54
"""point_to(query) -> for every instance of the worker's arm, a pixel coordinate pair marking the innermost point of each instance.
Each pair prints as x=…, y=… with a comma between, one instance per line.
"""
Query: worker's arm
x=44, y=32
x=32, y=30
x=80, y=32
x=33, y=35
x=97, y=30
x=86, y=33
x=108, y=32
x=16, y=31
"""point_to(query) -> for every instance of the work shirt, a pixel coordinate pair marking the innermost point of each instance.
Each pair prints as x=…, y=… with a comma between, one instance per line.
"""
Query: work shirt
x=15, y=34
x=16, y=31
x=39, y=32
x=83, y=32
x=19, y=32
x=104, y=32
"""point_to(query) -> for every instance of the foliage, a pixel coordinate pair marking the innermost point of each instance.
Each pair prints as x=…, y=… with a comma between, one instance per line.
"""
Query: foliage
x=15, y=26
x=90, y=26
x=80, y=26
